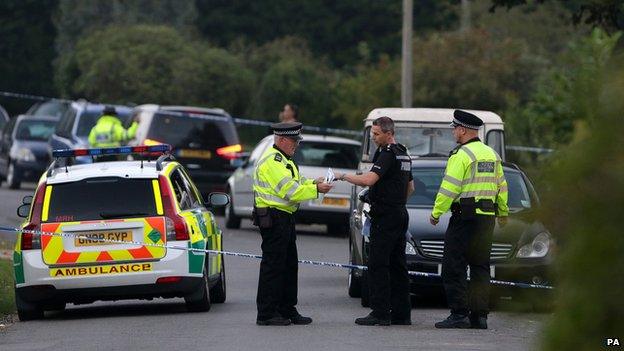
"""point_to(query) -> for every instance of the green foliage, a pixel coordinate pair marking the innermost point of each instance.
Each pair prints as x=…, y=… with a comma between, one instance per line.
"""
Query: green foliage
x=26, y=43
x=584, y=211
x=7, y=300
x=156, y=64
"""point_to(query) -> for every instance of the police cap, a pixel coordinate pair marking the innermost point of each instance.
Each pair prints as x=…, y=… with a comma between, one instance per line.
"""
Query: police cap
x=109, y=110
x=287, y=129
x=466, y=120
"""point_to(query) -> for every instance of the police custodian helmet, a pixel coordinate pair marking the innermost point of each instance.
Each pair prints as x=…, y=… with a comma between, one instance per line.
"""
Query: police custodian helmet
x=288, y=129
x=466, y=120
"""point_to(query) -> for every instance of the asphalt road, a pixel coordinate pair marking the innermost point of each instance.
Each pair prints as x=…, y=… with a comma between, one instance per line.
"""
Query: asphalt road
x=164, y=324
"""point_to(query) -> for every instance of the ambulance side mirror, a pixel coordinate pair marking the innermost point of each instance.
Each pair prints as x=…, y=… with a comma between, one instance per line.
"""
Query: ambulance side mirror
x=23, y=210
x=27, y=200
x=217, y=200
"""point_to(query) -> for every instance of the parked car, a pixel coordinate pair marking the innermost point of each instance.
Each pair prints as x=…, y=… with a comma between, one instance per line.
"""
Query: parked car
x=205, y=147
x=315, y=154
x=147, y=204
x=52, y=108
x=72, y=131
x=24, y=149
x=4, y=117
x=522, y=251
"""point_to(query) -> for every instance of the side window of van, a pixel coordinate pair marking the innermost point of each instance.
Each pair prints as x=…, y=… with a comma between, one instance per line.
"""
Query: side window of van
x=496, y=140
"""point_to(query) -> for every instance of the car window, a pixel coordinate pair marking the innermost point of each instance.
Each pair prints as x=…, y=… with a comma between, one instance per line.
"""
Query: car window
x=196, y=198
x=496, y=140
x=102, y=198
x=88, y=119
x=194, y=132
x=326, y=154
x=64, y=126
x=421, y=141
x=49, y=108
x=427, y=183
x=183, y=194
x=36, y=130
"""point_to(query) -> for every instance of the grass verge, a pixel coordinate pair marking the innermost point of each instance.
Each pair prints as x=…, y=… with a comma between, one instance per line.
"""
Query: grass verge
x=7, y=301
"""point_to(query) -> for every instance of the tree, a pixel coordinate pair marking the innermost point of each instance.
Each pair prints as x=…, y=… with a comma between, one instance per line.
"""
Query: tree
x=26, y=43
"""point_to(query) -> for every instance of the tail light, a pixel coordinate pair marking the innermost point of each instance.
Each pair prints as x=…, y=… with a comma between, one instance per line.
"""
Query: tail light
x=167, y=280
x=32, y=241
x=229, y=152
x=176, y=226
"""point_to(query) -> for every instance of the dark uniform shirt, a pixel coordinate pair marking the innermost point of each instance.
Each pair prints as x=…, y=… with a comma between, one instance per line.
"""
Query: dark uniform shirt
x=394, y=168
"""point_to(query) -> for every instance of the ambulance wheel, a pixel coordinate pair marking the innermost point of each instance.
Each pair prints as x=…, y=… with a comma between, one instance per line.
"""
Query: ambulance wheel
x=199, y=301
x=232, y=221
x=27, y=311
x=355, y=284
x=218, y=292
x=365, y=291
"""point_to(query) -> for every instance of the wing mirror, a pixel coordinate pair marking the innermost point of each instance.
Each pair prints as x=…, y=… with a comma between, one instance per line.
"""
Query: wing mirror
x=27, y=200
x=217, y=200
x=23, y=211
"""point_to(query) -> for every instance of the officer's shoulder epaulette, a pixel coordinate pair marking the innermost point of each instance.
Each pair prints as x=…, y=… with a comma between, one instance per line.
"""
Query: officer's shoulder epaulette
x=278, y=157
x=455, y=150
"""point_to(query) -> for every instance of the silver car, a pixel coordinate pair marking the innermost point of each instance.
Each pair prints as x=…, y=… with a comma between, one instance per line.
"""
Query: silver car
x=315, y=154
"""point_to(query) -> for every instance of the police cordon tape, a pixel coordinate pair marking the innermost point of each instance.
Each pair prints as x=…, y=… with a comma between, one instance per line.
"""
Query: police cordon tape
x=242, y=121
x=247, y=255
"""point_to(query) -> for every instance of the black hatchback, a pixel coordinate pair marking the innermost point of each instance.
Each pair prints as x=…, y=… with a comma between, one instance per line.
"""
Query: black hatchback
x=24, y=148
x=204, y=140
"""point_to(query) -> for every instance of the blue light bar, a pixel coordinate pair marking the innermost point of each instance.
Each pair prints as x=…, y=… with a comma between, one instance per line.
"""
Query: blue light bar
x=123, y=150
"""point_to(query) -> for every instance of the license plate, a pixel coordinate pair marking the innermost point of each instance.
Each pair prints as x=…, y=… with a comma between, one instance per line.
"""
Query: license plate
x=91, y=239
x=492, y=271
x=335, y=202
x=189, y=153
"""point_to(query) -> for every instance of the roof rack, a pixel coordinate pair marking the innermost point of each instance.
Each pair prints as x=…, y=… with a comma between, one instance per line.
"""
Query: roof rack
x=69, y=154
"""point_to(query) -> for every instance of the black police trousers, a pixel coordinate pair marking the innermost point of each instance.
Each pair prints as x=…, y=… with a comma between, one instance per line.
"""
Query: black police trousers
x=277, y=284
x=468, y=243
x=387, y=266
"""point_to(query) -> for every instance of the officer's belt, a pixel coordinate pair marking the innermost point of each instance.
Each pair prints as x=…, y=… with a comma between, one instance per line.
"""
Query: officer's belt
x=485, y=205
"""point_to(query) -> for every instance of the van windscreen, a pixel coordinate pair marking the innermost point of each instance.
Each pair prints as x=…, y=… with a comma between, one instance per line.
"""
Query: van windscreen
x=421, y=141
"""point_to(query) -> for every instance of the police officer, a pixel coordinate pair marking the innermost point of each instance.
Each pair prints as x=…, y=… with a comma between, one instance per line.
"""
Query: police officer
x=278, y=190
x=390, y=182
x=109, y=131
x=475, y=190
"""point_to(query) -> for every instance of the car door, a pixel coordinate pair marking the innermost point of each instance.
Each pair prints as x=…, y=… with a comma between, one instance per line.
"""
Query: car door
x=5, y=145
x=243, y=190
x=206, y=223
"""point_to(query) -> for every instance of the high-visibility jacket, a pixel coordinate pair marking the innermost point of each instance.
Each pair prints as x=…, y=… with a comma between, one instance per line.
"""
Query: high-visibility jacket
x=109, y=132
x=277, y=182
x=473, y=170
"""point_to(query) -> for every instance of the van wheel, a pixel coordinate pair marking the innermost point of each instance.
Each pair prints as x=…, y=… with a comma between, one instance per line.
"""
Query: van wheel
x=218, y=292
x=231, y=220
x=199, y=301
x=27, y=311
x=13, y=178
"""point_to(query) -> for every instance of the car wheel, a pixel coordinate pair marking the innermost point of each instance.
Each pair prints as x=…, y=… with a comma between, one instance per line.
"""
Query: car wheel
x=27, y=311
x=13, y=177
x=365, y=290
x=231, y=220
x=338, y=229
x=355, y=284
x=199, y=301
x=218, y=292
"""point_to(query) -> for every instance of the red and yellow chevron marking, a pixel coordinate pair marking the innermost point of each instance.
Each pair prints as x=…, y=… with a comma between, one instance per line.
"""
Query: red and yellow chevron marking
x=54, y=253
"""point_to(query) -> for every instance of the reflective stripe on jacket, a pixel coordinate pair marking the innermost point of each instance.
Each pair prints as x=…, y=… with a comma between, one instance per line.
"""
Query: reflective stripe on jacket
x=474, y=170
x=277, y=183
x=109, y=132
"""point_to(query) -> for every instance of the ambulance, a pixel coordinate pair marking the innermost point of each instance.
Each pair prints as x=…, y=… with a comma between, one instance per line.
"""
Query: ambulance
x=98, y=231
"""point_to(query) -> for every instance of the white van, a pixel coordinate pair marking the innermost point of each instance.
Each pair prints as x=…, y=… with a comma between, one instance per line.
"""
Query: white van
x=426, y=132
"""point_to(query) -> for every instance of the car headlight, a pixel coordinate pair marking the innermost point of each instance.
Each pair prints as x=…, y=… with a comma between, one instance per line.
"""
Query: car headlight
x=24, y=155
x=537, y=248
x=409, y=249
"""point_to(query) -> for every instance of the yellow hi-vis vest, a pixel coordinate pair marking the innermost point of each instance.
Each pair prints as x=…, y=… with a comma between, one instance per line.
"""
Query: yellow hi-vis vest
x=109, y=132
x=277, y=183
x=473, y=170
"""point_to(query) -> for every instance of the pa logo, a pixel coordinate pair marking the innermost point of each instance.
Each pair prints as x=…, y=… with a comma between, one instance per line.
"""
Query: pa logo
x=613, y=342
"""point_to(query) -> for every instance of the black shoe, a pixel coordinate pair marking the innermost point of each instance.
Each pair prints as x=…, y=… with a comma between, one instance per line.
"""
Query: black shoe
x=372, y=320
x=478, y=322
x=273, y=321
x=454, y=321
x=401, y=322
x=300, y=320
